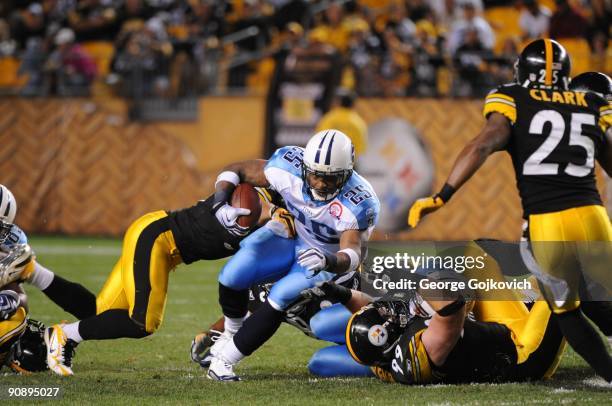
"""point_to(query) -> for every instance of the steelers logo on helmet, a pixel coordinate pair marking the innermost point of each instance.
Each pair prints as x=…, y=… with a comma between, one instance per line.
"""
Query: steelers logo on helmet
x=544, y=63
x=328, y=164
x=378, y=335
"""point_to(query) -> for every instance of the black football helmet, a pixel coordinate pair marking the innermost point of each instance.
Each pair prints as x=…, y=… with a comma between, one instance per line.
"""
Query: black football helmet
x=372, y=332
x=29, y=353
x=545, y=64
x=595, y=82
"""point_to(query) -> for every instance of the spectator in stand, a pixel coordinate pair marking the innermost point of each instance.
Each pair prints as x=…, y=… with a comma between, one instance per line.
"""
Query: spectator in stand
x=27, y=24
x=254, y=15
x=598, y=31
x=72, y=68
x=333, y=31
x=566, y=22
x=471, y=62
x=94, y=20
x=426, y=61
x=471, y=21
x=534, y=20
x=399, y=23
x=8, y=45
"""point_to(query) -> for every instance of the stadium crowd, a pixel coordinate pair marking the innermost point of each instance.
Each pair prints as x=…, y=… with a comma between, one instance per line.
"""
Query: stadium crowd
x=191, y=47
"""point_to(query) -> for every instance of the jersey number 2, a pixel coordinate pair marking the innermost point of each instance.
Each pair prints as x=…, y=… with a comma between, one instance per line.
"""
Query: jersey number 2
x=534, y=165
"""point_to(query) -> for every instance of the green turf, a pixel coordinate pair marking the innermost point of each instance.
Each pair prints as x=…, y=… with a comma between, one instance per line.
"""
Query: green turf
x=158, y=369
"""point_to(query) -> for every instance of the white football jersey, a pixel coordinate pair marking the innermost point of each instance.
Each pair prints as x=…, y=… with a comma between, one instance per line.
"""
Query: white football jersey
x=319, y=224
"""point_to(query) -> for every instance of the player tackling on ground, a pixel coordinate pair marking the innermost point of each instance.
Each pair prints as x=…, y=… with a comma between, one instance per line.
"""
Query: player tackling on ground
x=554, y=136
x=335, y=211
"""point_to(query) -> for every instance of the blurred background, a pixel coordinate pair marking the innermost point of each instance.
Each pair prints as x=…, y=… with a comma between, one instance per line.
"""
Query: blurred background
x=112, y=108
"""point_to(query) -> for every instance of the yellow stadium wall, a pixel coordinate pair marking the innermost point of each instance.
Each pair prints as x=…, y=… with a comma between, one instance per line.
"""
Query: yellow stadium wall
x=81, y=168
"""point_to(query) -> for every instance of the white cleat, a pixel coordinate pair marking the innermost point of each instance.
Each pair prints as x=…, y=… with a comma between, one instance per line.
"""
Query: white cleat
x=221, y=370
x=220, y=342
x=60, y=350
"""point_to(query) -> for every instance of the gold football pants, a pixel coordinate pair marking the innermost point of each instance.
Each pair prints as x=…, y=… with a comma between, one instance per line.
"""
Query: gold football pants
x=139, y=280
x=10, y=331
x=560, y=245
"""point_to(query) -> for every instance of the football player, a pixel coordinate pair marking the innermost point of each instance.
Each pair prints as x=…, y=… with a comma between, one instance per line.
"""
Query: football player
x=335, y=211
x=132, y=301
x=553, y=136
x=506, y=342
x=313, y=315
x=18, y=349
x=600, y=312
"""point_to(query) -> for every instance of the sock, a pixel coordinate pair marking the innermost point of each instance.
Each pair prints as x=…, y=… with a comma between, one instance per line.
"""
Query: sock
x=258, y=329
x=71, y=297
x=232, y=325
x=231, y=353
x=583, y=338
x=72, y=332
x=600, y=313
x=41, y=276
x=234, y=303
x=115, y=323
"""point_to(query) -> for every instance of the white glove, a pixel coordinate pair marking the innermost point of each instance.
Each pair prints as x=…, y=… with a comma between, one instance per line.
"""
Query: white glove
x=9, y=303
x=228, y=216
x=313, y=260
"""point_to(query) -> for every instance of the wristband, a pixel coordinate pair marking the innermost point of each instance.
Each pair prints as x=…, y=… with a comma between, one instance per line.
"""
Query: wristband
x=446, y=192
x=353, y=258
x=228, y=176
x=452, y=308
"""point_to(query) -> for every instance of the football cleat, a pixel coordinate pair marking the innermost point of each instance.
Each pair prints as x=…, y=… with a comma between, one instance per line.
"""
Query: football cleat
x=221, y=370
x=60, y=350
x=220, y=342
x=200, y=347
x=17, y=265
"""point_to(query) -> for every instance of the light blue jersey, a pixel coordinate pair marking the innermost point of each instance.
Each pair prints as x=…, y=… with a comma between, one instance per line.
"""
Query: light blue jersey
x=320, y=224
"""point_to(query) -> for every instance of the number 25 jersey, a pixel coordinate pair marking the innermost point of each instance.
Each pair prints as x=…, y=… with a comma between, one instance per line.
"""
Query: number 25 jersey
x=556, y=137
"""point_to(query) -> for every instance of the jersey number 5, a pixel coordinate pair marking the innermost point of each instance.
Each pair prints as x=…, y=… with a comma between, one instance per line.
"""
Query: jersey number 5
x=534, y=165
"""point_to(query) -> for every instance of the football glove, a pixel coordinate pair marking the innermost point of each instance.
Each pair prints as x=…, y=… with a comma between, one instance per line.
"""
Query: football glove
x=9, y=303
x=423, y=207
x=228, y=217
x=329, y=291
x=17, y=262
x=314, y=260
x=200, y=347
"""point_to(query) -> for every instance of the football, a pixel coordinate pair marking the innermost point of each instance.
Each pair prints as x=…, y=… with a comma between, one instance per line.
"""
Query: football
x=246, y=196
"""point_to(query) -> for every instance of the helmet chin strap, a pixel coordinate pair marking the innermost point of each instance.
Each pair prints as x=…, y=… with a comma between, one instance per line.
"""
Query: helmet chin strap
x=322, y=198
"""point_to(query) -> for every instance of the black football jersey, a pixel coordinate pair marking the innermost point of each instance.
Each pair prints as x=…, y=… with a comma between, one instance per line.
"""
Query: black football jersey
x=199, y=235
x=484, y=353
x=556, y=138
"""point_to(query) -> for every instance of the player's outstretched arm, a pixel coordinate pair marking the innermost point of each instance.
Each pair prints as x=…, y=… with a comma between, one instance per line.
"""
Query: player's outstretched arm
x=493, y=137
x=444, y=329
x=252, y=172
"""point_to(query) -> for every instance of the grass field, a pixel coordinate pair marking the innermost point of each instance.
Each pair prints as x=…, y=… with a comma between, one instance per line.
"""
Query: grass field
x=158, y=369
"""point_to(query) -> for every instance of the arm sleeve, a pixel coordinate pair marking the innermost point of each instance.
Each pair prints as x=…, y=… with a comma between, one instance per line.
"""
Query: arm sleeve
x=500, y=101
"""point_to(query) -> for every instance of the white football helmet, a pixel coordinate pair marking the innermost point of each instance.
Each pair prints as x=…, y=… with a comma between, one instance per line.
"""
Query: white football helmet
x=329, y=156
x=8, y=205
